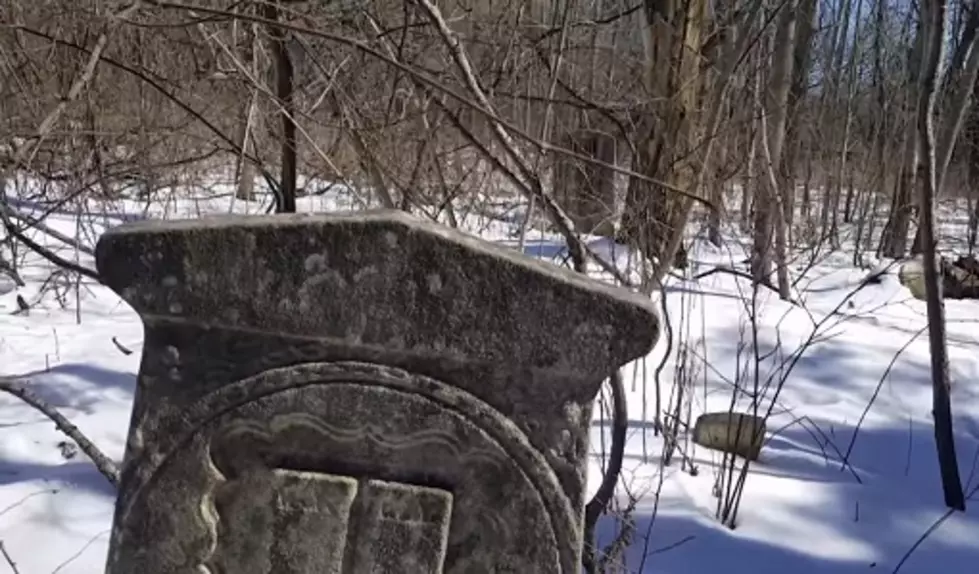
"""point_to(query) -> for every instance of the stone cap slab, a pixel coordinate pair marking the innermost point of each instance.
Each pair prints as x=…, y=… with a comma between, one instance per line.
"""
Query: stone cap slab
x=383, y=279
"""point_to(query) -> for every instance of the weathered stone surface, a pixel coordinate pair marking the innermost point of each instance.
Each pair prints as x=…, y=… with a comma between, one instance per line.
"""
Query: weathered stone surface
x=912, y=276
x=357, y=393
x=741, y=434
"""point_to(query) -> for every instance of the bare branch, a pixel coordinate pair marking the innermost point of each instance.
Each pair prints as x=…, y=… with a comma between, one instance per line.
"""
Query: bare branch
x=27, y=147
x=435, y=84
x=6, y=556
x=47, y=254
x=103, y=463
x=38, y=224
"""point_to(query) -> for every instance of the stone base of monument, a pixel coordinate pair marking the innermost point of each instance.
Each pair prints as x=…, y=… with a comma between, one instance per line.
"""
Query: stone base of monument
x=741, y=434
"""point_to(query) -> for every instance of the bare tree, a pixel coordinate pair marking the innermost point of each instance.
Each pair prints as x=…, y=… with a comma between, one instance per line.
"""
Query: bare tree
x=771, y=218
x=933, y=29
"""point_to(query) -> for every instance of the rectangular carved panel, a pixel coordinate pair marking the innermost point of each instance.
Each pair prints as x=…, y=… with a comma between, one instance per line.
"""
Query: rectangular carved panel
x=283, y=522
x=311, y=515
x=293, y=522
x=403, y=528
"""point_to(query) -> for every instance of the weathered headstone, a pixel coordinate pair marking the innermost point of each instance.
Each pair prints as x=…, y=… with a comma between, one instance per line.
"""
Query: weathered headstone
x=586, y=190
x=357, y=393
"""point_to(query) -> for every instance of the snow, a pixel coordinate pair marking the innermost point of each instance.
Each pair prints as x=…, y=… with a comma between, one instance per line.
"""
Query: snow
x=803, y=511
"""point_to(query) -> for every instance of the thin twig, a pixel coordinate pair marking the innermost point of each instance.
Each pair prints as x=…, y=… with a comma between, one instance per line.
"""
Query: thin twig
x=103, y=463
x=922, y=538
x=26, y=498
x=80, y=551
x=873, y=397
x=673, y=545
x=24, y=152
x=737, y=273
x=49, y=255
x=33, y=222
x=122, y=348
x=6, y=556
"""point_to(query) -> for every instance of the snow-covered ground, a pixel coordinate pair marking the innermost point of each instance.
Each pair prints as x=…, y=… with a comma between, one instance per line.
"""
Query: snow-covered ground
x=803, y=510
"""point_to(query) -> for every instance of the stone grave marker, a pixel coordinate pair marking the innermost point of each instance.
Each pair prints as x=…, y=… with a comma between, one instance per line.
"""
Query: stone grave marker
x=358, y=393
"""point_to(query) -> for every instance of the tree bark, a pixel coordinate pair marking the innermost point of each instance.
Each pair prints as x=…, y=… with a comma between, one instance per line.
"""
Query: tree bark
x=806, y=25
x=934, y=11
x=284, y=92
x=675, y=82
x=244, y=169
x=894, y=240
x=776, y=104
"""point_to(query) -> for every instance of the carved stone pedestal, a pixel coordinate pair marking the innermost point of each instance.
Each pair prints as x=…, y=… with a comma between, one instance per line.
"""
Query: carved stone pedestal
x=357, y=393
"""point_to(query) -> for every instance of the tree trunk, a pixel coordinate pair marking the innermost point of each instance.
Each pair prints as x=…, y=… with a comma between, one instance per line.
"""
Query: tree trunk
x=806, y=25
x=883, y=109
x=963, y=81
x=714, y=214
x=916, y=245
x=850, y=192
x=284, y=92
x=244, y=169
x=805, y=211
x=934, y=11
x=894, y=241
x=654, y=216
x=776, y=104
x=761, y=244
x=748, y=182
x=973, y=224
